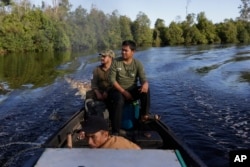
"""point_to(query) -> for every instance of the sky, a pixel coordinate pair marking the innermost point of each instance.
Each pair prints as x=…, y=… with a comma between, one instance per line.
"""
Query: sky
x=168, y=10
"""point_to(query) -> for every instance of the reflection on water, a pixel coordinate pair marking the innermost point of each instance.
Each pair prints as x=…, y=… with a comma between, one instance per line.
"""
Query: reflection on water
x=245, y=76
x=32, y=70
x=201, y=92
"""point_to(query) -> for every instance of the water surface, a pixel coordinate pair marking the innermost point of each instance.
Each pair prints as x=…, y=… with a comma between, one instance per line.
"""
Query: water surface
x=201, y=92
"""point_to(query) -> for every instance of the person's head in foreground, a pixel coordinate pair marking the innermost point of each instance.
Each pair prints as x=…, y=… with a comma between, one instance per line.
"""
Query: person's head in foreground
x=96, y=131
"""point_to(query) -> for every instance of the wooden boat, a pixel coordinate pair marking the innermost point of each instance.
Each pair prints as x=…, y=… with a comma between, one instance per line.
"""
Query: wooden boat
x=163, y=148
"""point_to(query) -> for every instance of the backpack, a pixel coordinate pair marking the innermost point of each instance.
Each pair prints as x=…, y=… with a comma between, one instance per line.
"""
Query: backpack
x=96, y=108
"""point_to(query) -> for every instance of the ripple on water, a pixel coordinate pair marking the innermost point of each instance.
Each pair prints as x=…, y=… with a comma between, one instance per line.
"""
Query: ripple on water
x=209, y=111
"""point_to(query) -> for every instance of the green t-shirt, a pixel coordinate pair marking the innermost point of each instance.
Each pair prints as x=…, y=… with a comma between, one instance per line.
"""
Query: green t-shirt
x=100, y=79
x=127, y=75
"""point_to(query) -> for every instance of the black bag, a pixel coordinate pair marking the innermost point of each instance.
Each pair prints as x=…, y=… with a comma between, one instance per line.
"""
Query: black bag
x=97, y=108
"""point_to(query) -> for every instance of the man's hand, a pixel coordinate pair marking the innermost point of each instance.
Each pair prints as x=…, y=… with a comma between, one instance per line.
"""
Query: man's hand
x=99, y=95
x=105, y=95
x=144, y=88
x=127, y=95
x=81, y=135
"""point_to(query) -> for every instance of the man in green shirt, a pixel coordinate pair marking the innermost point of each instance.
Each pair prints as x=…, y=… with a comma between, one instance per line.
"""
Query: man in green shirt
x=100, y=84
x=125, y=74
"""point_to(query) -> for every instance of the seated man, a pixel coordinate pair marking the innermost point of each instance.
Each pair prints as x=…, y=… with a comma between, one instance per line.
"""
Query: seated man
x=125, y=73
x=96, y=131
x=100, y=84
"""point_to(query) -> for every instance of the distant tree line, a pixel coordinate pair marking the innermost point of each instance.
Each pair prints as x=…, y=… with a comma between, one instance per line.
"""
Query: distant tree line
x=25, y=27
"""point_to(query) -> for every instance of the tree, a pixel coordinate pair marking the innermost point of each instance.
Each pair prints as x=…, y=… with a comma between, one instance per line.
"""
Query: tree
x=63, y=9
x=245, y=10
x=158, y=32
x=61, y=40
x=114, y=30
x=187, y=29
x=141, y=30
x=242, y=34
x=125, y=24
x=11, y=31
x=79, y=35
x=174, y=34
x=98, y=28
x=79, y=16
x=207, y=28
x=4, y=3
x=227, y=32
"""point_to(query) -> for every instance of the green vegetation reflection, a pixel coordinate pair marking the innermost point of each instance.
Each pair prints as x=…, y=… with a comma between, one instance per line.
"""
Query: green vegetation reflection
x=37, y=69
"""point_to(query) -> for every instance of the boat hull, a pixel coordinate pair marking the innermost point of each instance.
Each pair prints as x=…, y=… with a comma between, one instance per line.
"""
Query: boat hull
x=162, y=139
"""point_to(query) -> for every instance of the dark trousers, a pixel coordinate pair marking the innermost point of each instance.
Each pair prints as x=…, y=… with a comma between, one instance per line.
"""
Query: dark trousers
x=118, y=101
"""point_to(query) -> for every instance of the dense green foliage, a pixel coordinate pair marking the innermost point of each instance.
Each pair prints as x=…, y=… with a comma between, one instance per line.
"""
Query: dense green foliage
x=28, y=28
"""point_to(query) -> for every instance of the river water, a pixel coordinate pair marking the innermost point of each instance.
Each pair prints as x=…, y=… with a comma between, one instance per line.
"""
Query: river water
x=201, y=92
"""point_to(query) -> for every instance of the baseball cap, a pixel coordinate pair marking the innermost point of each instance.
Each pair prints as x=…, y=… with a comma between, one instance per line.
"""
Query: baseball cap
x=94, y=124
x=108, y=52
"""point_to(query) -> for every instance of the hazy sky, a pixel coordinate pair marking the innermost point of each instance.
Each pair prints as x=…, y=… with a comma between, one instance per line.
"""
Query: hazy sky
x=168, y=10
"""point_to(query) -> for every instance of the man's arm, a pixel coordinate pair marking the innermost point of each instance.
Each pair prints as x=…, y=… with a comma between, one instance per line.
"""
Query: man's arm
x=94, y=84
x=94, y=81
x=141, y=72
x=142, y=77
x=144, y=87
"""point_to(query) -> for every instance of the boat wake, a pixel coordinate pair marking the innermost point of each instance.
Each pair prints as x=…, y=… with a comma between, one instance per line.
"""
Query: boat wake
x=4, y=91
x=81, y=86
